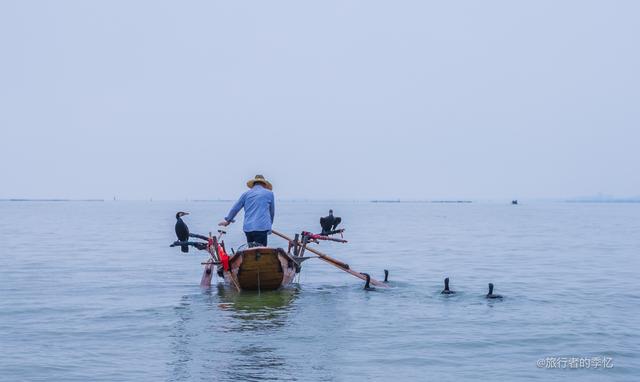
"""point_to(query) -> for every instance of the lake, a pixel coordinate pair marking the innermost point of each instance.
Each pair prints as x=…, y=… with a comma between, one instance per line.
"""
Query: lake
x=92, y=291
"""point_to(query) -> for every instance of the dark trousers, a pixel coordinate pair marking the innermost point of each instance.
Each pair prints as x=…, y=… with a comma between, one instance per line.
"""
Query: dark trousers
x=257, y=237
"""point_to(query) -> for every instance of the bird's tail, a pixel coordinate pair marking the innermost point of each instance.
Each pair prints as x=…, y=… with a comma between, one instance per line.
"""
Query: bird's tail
x=185, y=248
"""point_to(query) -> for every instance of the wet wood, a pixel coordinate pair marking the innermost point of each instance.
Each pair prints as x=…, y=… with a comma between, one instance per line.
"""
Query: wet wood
x=336, y=263
x=296, y=247
x=260, y=268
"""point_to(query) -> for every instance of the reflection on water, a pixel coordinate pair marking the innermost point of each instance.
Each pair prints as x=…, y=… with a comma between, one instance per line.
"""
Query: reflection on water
x=206, y=322
x=181, y=338
x=257, y=363
x=253, y=311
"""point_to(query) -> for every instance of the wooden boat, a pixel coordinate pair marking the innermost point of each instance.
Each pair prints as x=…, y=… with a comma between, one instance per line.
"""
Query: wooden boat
x=258, y=268
x=265, y=268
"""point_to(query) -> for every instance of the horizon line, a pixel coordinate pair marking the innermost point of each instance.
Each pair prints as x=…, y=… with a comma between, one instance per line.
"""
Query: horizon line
x=595, y=199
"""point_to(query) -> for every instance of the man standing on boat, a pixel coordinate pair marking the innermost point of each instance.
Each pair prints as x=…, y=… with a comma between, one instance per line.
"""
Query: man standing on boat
x=259, y=210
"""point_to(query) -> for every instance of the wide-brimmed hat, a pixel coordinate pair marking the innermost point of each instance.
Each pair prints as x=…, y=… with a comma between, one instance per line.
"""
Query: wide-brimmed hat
x=259, y=179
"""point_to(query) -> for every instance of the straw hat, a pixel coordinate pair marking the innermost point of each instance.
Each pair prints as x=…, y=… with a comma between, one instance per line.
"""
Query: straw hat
x=259, y=179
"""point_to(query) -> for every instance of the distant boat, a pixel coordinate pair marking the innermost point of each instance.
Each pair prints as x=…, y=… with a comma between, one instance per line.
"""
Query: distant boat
x=514, y=201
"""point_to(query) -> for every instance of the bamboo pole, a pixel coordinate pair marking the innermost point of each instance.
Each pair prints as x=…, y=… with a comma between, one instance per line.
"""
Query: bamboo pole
x=335, y=262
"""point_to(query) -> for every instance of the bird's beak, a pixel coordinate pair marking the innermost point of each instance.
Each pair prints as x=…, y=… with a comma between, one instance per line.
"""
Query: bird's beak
x=186, y=213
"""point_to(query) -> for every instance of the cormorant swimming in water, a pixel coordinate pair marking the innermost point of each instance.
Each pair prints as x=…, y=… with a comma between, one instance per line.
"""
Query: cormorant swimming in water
x=182, y=231
x=490, y=294
x=367, y=285
x=329, y=223
x=446, y=287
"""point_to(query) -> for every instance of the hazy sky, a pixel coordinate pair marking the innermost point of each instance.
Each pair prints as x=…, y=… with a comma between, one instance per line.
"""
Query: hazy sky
x=327, y=99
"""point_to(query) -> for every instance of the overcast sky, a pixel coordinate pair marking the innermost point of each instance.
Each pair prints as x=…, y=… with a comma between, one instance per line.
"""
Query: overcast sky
x=327, y=99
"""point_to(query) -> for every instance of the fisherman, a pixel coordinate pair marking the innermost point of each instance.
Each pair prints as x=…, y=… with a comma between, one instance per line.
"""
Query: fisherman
x=259, y=210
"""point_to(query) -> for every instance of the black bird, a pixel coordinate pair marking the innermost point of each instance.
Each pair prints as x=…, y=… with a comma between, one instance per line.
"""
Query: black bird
x=329, y=223
x=490, y=294
x=446, y=287
x=182, y=231
x=367, y=285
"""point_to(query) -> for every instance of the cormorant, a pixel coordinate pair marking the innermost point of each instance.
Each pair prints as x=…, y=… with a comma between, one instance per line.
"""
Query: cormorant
x=490, y=294
x=329, y=223
x=182, y=231
x=446, y=287
x=367, y=285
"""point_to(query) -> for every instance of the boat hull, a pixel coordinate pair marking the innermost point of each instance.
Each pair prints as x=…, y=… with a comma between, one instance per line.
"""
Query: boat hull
x=260, y=268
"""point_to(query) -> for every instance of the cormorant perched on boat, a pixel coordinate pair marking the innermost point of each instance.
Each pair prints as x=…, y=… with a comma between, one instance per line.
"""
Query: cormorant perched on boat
x=182, y=231
x=329, y=223
x=490, y=294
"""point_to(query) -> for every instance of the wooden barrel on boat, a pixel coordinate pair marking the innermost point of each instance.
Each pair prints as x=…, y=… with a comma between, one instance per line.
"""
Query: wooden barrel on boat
x=260, y=268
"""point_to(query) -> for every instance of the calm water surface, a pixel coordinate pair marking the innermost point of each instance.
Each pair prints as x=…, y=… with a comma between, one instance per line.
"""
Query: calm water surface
x=91, y=291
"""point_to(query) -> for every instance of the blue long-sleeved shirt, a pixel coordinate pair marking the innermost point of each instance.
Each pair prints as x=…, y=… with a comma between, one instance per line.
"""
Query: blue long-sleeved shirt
x=259, y=209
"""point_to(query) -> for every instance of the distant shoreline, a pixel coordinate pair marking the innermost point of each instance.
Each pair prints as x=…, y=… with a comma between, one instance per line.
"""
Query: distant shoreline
x=377, y=201
x=421, y=201
x=604, y=201
x=51, y=200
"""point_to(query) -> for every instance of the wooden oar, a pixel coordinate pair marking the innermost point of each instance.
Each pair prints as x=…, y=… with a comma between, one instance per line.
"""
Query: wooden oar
x=336, y=263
